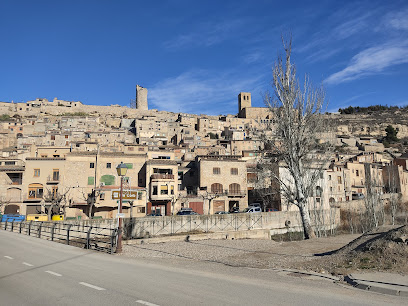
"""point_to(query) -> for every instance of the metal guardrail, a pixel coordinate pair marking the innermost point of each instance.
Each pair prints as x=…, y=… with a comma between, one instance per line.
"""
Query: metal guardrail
x=88, y=236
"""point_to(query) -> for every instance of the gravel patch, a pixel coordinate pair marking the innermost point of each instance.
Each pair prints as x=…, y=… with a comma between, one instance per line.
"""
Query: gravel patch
x=241, y=253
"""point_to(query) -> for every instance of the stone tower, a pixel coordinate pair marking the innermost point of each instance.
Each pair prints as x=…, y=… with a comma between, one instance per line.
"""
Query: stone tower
x=141, y=98
x=244, y=101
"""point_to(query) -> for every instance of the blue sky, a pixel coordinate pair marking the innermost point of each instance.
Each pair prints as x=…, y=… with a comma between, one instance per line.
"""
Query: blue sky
x=196, y=56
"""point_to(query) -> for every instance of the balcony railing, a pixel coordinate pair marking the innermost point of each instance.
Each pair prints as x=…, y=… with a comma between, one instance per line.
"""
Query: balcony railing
x=230, y=193
x=53, y=179
x=159, y=176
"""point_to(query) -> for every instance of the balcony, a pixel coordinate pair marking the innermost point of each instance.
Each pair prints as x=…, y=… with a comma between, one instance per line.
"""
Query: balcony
x=160, y=176
x=54, y=179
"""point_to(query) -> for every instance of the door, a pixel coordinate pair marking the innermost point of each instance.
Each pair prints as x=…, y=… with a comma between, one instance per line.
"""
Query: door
x=218, y=205
x=197, y=207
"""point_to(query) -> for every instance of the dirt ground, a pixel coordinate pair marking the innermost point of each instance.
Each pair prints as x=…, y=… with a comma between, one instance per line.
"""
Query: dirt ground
x=384, y=249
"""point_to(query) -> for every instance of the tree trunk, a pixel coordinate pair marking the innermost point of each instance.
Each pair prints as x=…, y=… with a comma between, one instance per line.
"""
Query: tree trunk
x=307, y=227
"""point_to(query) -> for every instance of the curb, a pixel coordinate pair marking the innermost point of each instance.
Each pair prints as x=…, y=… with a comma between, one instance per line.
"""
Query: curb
x=361, y=284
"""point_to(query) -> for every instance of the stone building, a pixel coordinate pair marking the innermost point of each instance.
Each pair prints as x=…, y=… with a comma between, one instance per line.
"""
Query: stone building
x=222, y=182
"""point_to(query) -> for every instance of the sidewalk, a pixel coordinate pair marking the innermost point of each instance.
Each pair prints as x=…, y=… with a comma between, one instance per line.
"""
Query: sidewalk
x=380, y=282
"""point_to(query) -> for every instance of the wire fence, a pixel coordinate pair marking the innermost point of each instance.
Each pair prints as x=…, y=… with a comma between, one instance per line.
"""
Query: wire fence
x=277, y=222
x=94, y=236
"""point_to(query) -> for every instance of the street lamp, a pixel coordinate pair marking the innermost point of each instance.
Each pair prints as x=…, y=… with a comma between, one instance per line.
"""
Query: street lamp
x=121, y=170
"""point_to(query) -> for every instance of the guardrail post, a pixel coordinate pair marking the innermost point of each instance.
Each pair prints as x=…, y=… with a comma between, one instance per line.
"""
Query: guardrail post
x=5, y=225
x=69, y=226
x=12, y=226
x=52, y=231
x=88, y=238
x=39, y=230
x=21, y=224
x=29, y=228
x=113, y=239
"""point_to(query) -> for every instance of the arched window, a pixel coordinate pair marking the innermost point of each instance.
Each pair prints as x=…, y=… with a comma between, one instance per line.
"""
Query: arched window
x=35, y=191
x=234, y=188
x=216, y=188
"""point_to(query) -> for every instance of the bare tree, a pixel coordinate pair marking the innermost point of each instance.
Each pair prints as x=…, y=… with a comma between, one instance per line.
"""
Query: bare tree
x=90, y=199
x=57, y=202
x=293, y=135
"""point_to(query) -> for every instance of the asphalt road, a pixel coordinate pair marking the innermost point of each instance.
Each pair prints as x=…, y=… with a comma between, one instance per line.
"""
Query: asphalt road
x=40, y=272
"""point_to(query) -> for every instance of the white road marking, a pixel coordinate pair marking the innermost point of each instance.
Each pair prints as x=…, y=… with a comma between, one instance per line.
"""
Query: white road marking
x=53, y=273
x=91, y=286
x=27, y=264
x=146, y=303
x=9, y=257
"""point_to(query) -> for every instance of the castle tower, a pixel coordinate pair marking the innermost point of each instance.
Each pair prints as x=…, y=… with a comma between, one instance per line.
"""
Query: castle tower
x=141, y=98
x=244, y=101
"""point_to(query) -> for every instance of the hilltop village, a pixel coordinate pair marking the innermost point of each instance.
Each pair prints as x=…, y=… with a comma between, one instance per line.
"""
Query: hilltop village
x=60, y=157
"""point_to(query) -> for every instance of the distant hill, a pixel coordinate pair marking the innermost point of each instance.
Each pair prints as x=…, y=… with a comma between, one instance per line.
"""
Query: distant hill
x=370, y=109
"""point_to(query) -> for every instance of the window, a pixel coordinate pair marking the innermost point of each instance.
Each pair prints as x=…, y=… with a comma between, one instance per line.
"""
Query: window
x=108, y=165
x=52, y=137
x=66, y=136
x=131, y=148
x=357, y=174
x=216, y=188
x=164, y=189
x=54, y=191
x=102, y=196
x=154, y=190
x=36, y=172
x=91, y=180
x=216, y=170
x=141, y=210
x=55, y=174
x=35, y=191
x=91, y=165
x=171, y=189
x=234, y=188
x=318, y=191
x=339, y=179
x=139, y=195
x=329, y=177
x=9, y=163
x=234, y=171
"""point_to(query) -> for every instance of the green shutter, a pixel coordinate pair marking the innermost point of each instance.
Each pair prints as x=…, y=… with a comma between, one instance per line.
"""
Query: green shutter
x=129, y=165
x=108, y=179
x=91, y=180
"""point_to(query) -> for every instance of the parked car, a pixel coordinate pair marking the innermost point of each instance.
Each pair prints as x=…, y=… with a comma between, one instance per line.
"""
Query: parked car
x=154, y=215
x=186, y=211
x=222, y=212
x=234, y=210
x=357, y=196
x=271, y=209
x=252, y=210
x=254, y=205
